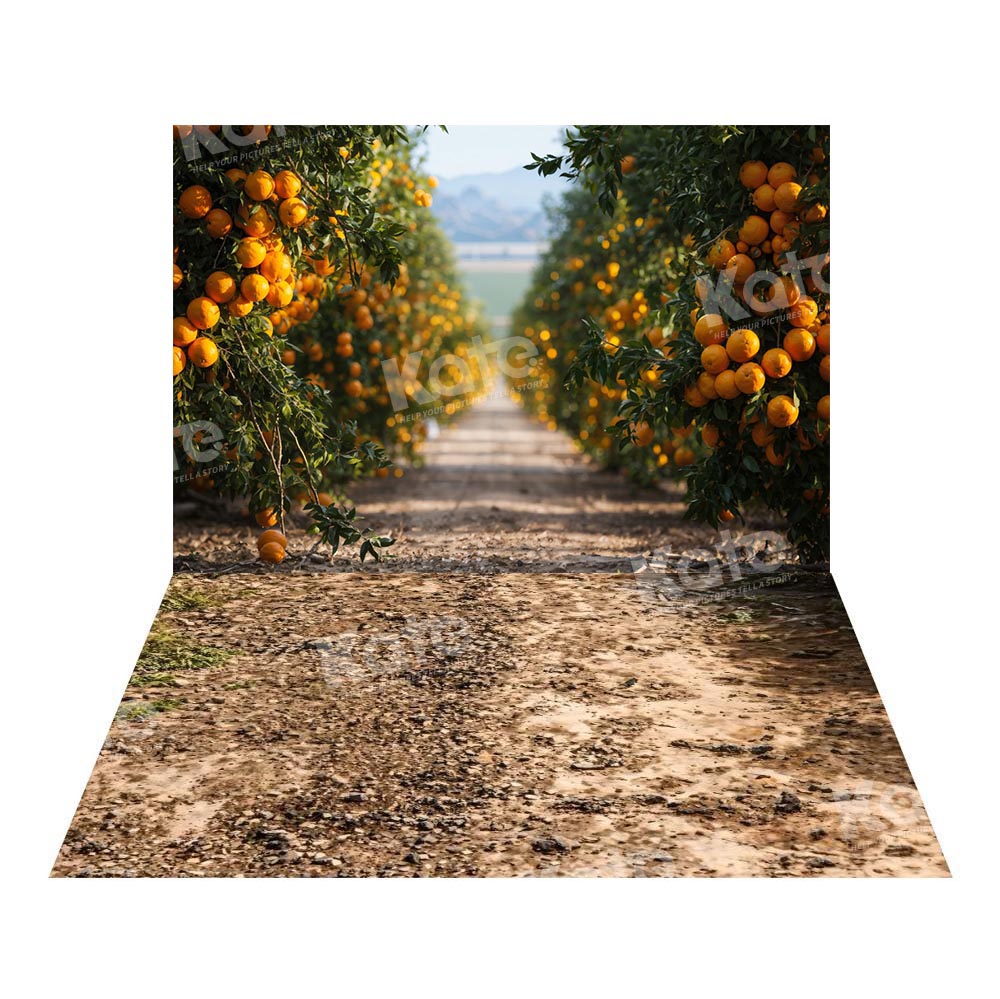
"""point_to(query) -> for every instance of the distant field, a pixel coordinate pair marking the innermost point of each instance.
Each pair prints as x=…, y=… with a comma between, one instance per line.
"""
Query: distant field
x=500, y=290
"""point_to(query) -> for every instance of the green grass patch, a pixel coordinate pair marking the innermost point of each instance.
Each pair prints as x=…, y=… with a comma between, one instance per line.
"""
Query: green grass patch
x=166, y=652
x=181, y=598
x=140, y=712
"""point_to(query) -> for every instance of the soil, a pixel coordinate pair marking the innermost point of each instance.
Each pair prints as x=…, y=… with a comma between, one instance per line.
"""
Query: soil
x=517, y=694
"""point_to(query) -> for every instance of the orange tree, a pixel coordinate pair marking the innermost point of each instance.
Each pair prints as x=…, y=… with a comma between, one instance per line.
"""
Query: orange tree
x=748, y=323
x=273, y=224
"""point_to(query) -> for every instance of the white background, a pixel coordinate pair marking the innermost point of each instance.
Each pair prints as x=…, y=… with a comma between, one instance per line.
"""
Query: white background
x=86, y=400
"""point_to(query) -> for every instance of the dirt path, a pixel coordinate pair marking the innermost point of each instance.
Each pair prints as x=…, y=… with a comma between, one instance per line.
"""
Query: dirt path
x=506, y=699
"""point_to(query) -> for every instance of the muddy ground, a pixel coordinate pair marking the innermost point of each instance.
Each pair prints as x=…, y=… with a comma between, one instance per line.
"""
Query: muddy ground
x=507, y=698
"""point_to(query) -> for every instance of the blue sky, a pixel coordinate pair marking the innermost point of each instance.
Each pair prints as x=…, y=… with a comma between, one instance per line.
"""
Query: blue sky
x=487, y=148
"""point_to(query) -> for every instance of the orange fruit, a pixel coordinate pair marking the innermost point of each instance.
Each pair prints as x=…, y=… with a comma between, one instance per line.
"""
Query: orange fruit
x=780, y=173
x=236, y=175
x=220, y=286
x=800, y=344
x=293, y=212
x=823, y=338
x=272, y=537
x=643, y=433
x=218, y=223
x=803, y=312
x=786, y=197
x=286, y=184
x=725, y=385
x=353, y=388
x=781, y=411
x=783, y=292
x=742, y=345
x=779, y=220
x=239, y=306
x=627, y=164
x=720, y=254
x=180, y=360
x=776, y=363
x=763, y=198
x=726, y=516
x=709, y=329
x=363, y=318
x=185, y=331
x=710, y=435
x=814, y=213
x=750, y=378
x=754, y=230
x=203, y=313
x=775, y=457
x=266, y=517
x=823, y=409
x=740, y=267
x=259, y=185
x=694, y=397
x=715, y=358
x=762, y=433
x=706, y=385
x=178, y=277
x=195, y=201
x=250, y=252
x=272, y=553
x=753, y=173
x=203, y=352
x=255, y=220
x=684, y=456
x=254, y=287
x=824, y=368
x=279, y=294
x=276, y=266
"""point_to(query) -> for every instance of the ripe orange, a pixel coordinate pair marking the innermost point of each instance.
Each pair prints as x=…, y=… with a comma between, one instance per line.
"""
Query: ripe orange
x=185, y=331
x=823, y=338
x=824, y=368
x=720, y=254
x=783, y=292
x=178, y=277
x=779, y=220
x=203, y=313
x=710, y=435
x=250, y=252
x=726, y=516
x=780, y=173
x=742, y=345
x=254, y=287
x=239, y=306
x=775, y=457
x=753, y=173
x=750, y=378
x=195, y=201
x=740, y=267
x=236, y=175
x=255, y=220
x=259, y=185
x=266, y=517
x=786, y=197
x=715, y=358
x=684, y=456
x=814, y=213
x=272, y=537
x=279, y=294
x=276, y=266
x=754, y=230
x=725, y=385
x=179, y=361
x=293, y=212
x=803, y=312
x=286, y=184
x=353, y=388
x=762, y=433
x=272, y=553
x=643, y=433
x=823, y=409
x=800, y=344
x=220, y=287
x=363, y=318
x=203, y=352
x=776, y=363
x=218, y=223
x=709, y=329
x=781, y=411
x=693, y=396
x=706, y=385
x=627, y=164
x=763, y=198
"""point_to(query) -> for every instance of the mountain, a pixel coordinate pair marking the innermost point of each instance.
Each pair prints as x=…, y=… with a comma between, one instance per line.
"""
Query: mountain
x=494, y=207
